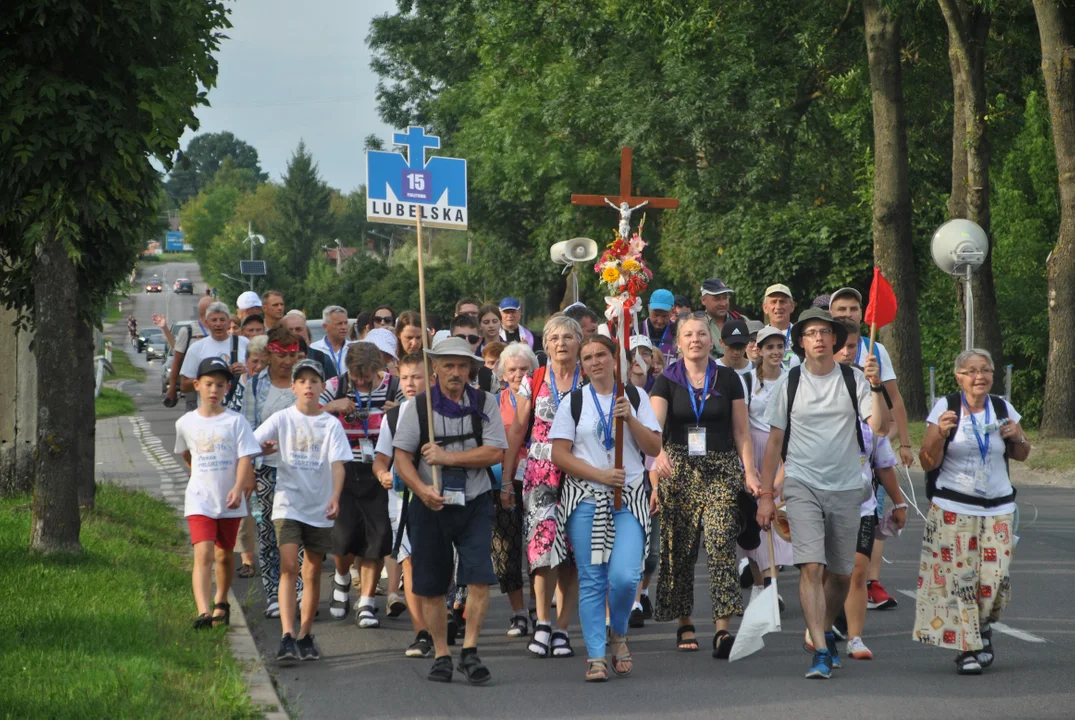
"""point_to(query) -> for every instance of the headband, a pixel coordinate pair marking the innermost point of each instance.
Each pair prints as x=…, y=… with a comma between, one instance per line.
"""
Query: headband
x=279, y=349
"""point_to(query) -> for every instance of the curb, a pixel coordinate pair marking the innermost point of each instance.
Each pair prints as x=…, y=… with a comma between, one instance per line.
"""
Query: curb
x=259, y=685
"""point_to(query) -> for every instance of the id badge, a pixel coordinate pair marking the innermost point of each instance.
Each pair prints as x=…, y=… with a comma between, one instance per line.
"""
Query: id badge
x=520, y=470
x=980, y=481
x=696, y=441
x=453, y=485
x=366, y=445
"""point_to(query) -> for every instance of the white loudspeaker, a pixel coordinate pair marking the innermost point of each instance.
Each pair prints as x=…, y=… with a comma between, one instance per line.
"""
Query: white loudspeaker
x=575, y=250
x=959, y=246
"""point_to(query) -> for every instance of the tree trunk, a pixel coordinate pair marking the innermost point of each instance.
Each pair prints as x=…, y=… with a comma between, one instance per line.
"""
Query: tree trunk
x=968, y=30
x=83, y=388
x=56, y=523
x=1058, y=68
x=893, y=248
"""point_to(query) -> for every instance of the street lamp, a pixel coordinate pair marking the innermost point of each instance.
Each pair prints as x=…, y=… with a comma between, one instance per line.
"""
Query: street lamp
x=339, y=255
x=252, y=238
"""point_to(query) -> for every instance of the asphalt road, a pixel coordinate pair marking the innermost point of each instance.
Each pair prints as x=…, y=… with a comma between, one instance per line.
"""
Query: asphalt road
x=364, y=673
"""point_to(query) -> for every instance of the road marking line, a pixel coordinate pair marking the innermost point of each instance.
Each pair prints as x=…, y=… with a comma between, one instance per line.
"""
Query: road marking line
x=1001, y=627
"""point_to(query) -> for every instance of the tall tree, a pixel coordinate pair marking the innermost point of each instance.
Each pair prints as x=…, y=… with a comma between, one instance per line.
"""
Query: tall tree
x=968, y=31
x=893, y=246
x=199, y=163
x=303, y=204
x=90, y=94
x=1056, y=26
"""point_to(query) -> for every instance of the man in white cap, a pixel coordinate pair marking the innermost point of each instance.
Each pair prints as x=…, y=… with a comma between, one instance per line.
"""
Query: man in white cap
x=247, y=304
x=778, y=306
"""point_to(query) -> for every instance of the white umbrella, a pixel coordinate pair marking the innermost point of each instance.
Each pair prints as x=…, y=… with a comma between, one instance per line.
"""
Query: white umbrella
x=762, y=616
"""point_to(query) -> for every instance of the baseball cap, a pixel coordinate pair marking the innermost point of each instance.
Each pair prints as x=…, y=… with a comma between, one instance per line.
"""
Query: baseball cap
x=716, y=286
x=779, y=289
x=845, y=291
x=735, y=332
x=213, y=366
x=754, y=326
x=253, y=319
x=661, y=300
x=308, y=365
x=247, y=300
x=510, y=303
x=638, y=341
x=681, y=301
x=822, y=302
x=769, y=331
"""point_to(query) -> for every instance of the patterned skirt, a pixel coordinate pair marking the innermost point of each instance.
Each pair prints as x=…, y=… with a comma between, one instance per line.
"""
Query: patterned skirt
x=541, y=497
x=963, y=579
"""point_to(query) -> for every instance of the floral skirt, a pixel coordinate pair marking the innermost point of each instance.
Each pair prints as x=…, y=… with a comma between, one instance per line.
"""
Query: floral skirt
x=963, y=579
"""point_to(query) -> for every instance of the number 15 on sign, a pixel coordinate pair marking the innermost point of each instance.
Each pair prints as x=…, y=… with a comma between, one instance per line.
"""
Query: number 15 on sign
x=416, y=185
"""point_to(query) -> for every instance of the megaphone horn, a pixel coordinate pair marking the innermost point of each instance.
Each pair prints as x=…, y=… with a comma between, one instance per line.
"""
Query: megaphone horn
x=575, y=250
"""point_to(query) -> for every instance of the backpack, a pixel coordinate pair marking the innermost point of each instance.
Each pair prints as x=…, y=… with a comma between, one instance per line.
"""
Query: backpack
x=476, y=432
x=228, y=399
x=955, y=401
x=629, y=390
x=794, y=375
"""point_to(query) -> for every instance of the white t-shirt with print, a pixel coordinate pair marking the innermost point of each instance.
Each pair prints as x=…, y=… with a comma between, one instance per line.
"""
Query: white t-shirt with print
x=307, y=446
x=964, y=458
x=215, y=443
x=588, y=438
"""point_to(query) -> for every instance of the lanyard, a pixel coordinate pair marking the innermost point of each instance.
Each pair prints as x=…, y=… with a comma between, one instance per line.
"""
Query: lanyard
x=698, y=407
x=337, y=357
x=555, y=390
x=205, y=333
x=983, y=447
x=511, y=396
x=364, y=413
x=606, y=424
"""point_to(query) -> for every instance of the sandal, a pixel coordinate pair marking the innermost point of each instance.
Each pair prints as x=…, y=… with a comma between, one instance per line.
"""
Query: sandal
x=598, y=671
x=441, y=670
x=967, y=663
x=518, y=627
x=722, y=644
x=203, y=622
x=339, y=609
x=245, y=571
x=985, y=655
x=472, y=667
x=224, y=619
x=561, y=645
x=367, y=617
x=536, y=647
x=623, y=657
x=272, y=610
x=686, y=644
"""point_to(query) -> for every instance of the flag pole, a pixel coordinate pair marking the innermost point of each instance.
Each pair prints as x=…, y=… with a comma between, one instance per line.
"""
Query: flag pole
x=873, y=332
x=425, y=345
x=622, y=374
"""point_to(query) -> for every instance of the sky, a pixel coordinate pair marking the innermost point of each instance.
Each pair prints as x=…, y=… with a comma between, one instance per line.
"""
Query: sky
x=294, y=71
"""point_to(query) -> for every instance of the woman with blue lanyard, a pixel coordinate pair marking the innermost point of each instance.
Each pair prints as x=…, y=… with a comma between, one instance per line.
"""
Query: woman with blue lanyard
x=964, y=581
x=608, y=543
x=707, y=459
x=546, y=553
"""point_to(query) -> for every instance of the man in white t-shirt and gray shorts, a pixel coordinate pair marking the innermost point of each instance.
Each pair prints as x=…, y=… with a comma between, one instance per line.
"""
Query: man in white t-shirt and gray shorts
x=818, y=435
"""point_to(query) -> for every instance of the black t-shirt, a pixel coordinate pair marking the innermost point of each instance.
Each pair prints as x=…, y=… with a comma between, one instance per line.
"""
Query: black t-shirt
x=716, y=414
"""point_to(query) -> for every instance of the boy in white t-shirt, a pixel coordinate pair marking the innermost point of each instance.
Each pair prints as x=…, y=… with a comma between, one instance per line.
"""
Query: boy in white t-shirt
x=309, y=480
x=218, y=446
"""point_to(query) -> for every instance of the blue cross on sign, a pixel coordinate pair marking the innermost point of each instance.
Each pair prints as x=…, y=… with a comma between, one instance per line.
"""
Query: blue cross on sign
x=398, y=189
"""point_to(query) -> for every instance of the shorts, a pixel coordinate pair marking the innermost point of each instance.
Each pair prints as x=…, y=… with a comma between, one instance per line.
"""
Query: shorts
x=221, y=531
x=436, y=539
x=362, y=528
x=311, y=538
x=867, y=526
x=824, y=525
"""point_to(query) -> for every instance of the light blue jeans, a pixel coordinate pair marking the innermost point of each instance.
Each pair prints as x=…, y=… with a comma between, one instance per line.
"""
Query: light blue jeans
x=617, y=579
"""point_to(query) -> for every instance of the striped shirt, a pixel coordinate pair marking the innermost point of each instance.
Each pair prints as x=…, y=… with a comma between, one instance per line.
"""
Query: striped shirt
x=365, y=421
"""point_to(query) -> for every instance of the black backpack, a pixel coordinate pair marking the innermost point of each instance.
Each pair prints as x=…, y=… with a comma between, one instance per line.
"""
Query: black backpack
x=794, y=375
x=476, y=432
x=955, y=401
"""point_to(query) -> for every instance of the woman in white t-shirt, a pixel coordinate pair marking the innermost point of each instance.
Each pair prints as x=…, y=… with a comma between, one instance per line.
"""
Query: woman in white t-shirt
x=609, y=544
x=963, y=581
x=269, y=392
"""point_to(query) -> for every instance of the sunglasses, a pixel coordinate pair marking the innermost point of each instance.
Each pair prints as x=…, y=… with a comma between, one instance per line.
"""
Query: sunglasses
x=694, y=314
x=472, y=339
x=382, y=319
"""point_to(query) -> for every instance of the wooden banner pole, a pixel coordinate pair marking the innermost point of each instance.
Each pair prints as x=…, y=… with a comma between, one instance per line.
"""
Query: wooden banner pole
x=425, y=345
x=625, y=333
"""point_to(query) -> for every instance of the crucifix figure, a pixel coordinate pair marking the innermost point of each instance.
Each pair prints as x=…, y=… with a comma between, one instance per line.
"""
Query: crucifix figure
x=624, y=203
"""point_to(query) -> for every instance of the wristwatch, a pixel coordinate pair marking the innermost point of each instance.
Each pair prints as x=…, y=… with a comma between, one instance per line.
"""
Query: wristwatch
x=877, y=388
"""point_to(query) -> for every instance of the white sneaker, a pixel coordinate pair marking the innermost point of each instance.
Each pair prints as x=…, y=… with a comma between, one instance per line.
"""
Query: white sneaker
x=858, y=650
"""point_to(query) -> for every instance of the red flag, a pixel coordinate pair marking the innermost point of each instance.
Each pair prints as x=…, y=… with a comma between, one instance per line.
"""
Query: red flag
x=882, y=308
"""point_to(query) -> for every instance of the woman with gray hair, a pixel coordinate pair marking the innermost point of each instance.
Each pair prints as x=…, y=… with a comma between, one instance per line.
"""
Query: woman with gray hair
x=963, y=581
x=538, y=402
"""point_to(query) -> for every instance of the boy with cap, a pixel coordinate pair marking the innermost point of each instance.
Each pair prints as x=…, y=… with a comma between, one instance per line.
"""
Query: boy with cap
x=510, y=329
x=735, y=336
x=777, y=307
x=660, y=326
x=218, y=447
x=313, y=449
x=716, y=299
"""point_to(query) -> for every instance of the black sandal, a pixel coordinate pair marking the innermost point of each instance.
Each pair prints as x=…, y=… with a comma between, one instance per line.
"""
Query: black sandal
x=441, y=670
x=722, y=644
x=986, y=655
x=688, y=644
x=537, y=648
x=224, y=619
x=203, y=622
x=245, y=571
x=967, y=663
x=561, y=644
x=475, y=671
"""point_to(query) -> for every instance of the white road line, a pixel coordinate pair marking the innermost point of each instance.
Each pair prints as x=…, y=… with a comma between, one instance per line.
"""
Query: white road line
x=1000, y=627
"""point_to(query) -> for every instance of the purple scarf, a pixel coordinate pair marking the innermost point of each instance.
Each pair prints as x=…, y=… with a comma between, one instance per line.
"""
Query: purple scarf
x=677, y=373
x=448, y=408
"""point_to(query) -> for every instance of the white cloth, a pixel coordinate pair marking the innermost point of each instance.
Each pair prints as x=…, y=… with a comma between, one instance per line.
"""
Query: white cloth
x=307, y=446
x=337, y=357
x=215, y=443
x=588, y=437
x=823, y=449
x=760, y=398
x=879, y=458
x=964, y=458
x=887, y=371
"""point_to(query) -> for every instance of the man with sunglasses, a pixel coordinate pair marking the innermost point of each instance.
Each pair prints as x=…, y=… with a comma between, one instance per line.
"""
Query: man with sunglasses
x=466, y=327
x=384, y=317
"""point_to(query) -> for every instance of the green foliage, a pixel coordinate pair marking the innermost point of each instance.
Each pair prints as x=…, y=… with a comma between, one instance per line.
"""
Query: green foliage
x=111, y=403
x=303, y=205
x=203, y=158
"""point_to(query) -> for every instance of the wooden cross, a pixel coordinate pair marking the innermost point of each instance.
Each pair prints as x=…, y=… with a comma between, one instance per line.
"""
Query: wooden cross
x=625, y=190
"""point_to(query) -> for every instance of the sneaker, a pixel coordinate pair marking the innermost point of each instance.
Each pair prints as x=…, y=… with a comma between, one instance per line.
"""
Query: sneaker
x=636, y=620
x=647, y=607
x=877, y=598
x=396, y=605
x=834, y=655
x=839, y=627
x=858, y=650
x=307, y=649
x=288, y=650
x=821, y=667
x=421, y=647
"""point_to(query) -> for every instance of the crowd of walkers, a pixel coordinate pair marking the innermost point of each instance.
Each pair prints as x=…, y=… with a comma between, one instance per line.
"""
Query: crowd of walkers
x=503, y=470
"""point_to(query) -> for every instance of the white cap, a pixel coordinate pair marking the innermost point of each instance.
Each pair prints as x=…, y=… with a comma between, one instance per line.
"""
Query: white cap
x=638, y=341
x=247, y=300
x=385, y=340
x=440, y=335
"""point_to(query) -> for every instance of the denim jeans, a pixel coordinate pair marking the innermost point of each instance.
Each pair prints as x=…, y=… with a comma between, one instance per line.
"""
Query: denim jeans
x=617, y=579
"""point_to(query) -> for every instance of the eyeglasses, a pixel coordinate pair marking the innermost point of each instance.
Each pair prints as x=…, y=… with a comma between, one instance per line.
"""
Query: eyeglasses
x=820, y=332
x=975, y=373
x=382, y=319
x=472, y=339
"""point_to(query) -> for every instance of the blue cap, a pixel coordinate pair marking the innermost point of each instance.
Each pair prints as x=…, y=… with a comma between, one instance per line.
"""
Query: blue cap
x=510, y=303
x=661, y=300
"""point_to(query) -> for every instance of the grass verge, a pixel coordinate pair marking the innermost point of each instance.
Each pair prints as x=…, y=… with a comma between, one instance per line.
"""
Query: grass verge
x=112, y=403
x=125, y=370
x=107, y=633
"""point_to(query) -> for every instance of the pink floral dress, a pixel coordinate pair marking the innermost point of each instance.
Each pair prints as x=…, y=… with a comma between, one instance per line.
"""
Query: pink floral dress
x=541, y=485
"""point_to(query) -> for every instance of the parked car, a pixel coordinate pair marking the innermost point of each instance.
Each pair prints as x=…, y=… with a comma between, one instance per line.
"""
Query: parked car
x=154, y=286
x=183, y=286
